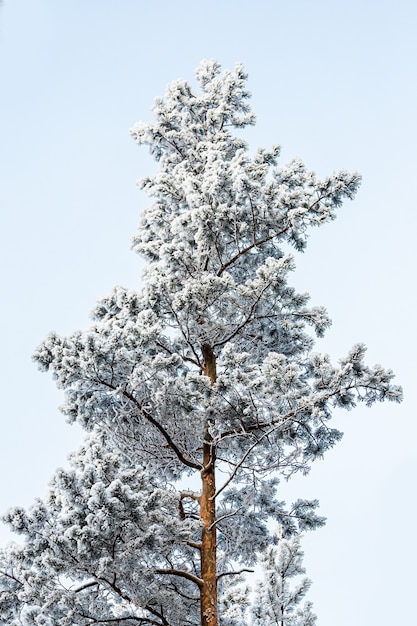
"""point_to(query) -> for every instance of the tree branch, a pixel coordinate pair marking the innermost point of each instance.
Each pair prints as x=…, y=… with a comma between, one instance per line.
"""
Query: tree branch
x=255, y=244
x=156, y=424
x=226, y=516
x=246, y=320
x=242, y=460
x=235, y=573
x=181, y=574
x=93, y=583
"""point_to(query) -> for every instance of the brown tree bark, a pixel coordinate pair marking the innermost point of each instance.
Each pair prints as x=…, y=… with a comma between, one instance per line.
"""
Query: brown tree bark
x=208, y=591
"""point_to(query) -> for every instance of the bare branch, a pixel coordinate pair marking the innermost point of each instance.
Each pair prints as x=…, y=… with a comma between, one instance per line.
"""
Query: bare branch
x=181, y=574
x=93, y=583
x=235, y=573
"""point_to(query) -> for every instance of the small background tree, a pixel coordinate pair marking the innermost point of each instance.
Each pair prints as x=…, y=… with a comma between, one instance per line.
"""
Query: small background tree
x=277, y=598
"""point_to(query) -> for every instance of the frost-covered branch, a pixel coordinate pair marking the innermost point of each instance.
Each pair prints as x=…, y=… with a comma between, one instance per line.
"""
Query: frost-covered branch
x=157, y=425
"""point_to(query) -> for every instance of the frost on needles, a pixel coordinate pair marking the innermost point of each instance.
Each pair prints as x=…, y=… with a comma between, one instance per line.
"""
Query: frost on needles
x=199, y=393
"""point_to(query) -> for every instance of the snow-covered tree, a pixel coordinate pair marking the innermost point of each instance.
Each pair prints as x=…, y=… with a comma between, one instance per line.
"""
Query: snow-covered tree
x=277, y=600
x=98, y=547
x=205, y=377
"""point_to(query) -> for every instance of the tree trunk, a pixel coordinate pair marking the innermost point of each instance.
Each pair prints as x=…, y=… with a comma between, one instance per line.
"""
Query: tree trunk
x=208, y=593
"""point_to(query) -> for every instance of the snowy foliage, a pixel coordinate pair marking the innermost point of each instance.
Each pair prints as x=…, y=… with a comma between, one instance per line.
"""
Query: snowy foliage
x=206, y=375
x=98, y=545
x=277, y=600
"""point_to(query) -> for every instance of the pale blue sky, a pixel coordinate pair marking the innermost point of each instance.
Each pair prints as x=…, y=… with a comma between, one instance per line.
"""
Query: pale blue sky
x=334, y=83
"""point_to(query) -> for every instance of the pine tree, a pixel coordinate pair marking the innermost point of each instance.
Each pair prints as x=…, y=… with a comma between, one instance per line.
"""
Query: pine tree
x=207, y=376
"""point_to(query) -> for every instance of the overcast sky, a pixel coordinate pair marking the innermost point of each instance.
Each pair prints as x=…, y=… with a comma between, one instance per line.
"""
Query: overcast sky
x=334, y=83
